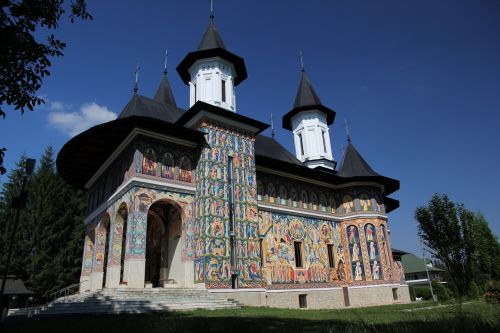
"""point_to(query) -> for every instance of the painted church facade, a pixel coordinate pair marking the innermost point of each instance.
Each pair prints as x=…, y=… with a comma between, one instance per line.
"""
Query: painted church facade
x=199, y=198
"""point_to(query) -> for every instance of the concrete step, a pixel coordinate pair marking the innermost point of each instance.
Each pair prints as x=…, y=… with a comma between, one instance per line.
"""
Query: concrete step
x=117, y=301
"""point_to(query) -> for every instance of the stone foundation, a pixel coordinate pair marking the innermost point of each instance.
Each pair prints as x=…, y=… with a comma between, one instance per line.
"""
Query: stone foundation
x=324, y=298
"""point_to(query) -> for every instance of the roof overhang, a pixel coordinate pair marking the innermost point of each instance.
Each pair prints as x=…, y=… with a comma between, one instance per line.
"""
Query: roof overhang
x=201, y=110
x=287, y=118
x=192, y=57
x=85, y=154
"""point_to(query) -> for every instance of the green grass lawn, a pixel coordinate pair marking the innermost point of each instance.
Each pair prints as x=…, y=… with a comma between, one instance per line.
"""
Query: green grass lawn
x=417, y=317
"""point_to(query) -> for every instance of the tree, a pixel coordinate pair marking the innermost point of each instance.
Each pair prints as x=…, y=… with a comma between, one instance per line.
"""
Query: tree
x=488, y=252
x=446, y=229
x=24, y=61
x=49, y=242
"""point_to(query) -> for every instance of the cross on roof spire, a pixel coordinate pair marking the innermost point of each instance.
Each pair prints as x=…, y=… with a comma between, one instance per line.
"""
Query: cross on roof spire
x=212, y=8
x=136, y=88
x=347, y=131
x=301, y=56
x=273, y=133
x=165, y=63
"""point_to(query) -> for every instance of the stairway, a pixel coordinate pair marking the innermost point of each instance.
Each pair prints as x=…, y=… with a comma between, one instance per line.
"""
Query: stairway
x=126, y=300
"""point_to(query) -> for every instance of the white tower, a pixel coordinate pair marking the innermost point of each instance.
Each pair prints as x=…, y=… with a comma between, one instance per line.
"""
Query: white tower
x=212, y=72
x=309, y=121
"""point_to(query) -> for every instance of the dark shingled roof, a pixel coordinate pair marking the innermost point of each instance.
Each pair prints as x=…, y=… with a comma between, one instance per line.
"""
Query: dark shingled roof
x=354, y=165
x=211, y=46
x=306, y=95
x=211, y=39
x=306, y=100
x=266, y=146
x=15, y=286
x=164, y=92
x=146, y=107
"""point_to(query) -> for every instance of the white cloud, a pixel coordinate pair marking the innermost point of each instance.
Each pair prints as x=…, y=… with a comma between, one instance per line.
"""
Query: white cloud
x=75, y=122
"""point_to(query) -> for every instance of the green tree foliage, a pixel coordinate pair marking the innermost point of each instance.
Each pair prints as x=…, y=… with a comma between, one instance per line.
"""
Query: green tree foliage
x=24, y=60
x=463, y=242
x=446, y=229
x=488, y=252
x=49, y=244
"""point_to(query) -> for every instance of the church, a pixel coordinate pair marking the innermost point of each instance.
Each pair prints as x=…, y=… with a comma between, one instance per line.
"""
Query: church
x=199, y=198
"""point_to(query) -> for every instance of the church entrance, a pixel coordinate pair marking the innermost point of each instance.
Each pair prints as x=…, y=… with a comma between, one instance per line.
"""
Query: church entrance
x=163, y=245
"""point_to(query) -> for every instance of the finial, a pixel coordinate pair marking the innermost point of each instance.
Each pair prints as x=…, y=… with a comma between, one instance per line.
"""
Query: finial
x=136, y=88
x=165, y=63
x=211, y=9
x=347, y=131
x=301, y=56
x=273, y=133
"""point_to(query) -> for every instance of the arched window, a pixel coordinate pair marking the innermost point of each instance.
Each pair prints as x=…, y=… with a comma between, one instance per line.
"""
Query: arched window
x=364, y=202
x=271, y=193
x=347, y=203
x=260, y=190
x=314, y=201
x=294, y=197
x=333, y=205
x=185, y=169
x=304, y=199
x=168, y=166
x=283, y=196
x=149, y=162
x=323, y=203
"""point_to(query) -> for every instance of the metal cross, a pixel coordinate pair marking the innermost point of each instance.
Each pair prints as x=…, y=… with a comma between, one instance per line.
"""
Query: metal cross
x=212, y=7
x=137, y=68
x=347, y=130
x=272, y=125
x=301, y=56
x=165, y=64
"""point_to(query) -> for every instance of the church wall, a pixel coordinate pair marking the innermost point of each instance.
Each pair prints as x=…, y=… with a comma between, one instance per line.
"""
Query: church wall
x=213, y=244
x=145, y=158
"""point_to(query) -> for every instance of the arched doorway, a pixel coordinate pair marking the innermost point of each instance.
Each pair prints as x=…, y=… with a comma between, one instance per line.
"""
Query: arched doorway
x=163, y=244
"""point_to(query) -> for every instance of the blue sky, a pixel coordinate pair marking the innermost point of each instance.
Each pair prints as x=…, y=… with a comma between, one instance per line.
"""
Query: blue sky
x=418, y=82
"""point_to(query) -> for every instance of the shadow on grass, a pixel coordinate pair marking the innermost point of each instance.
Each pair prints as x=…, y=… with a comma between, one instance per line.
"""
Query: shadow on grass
x=179, y=322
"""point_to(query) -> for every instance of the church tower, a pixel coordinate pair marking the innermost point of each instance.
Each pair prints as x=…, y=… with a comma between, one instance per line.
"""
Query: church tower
x=309, y=121
x=212, y=72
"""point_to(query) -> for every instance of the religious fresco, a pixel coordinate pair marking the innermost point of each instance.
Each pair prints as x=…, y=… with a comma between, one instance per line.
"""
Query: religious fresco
x=355, y=252
x=280, y=231
x=100, y=243
x=212, y=229
x=149, y=162
x=373, y=251
x=88, y=254
x=274, y=190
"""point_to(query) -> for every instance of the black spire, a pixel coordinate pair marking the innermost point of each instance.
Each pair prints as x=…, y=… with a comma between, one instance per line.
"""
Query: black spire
x=164, y=92
x=211, y=45
x=354, y=165
x=306, y=95
x=306, y=100
x=211, y=38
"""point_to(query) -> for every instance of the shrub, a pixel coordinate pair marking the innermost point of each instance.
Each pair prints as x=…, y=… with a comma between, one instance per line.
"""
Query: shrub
x=492, y=294
x=423, y=292
x=443, y=293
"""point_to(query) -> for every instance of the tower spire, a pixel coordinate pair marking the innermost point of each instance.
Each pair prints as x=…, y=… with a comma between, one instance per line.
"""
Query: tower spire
x=136, y=86
x=211, y=8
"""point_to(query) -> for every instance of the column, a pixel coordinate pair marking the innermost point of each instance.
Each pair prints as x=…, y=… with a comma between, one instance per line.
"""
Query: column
x=88, y=256
x=135, y=251
x=114, y=252
x=99, y=255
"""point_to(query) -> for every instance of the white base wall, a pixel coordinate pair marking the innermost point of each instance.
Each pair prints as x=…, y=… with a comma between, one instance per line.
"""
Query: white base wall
x=113, y=277
x=134, y=272
x=96, y=279
x=328, y=298
x=84, y=284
